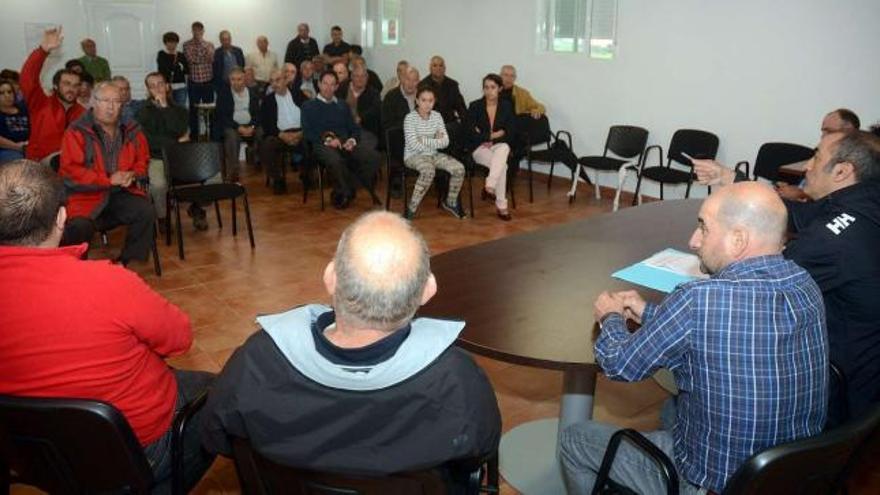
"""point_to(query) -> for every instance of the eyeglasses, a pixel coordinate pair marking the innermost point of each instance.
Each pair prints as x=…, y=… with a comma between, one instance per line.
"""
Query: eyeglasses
x=110, y=101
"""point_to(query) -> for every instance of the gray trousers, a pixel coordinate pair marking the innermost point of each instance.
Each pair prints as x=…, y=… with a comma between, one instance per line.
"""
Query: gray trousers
x=426, y=166
x=583, y=445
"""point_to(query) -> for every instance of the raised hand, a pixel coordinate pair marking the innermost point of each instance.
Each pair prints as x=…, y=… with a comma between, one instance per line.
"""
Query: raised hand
x=52, y=39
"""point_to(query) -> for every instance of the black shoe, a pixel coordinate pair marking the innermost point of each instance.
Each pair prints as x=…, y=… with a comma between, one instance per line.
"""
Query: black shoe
x=200, y=218
x=341, y=200
x=409, y=214
x=279, y=187
x=487, y=196
x=503, y=215
x=456, y=210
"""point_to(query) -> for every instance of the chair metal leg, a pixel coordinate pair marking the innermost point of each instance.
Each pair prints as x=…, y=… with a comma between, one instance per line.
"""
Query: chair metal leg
x=234, y=220
x=157, y=266
x=638, y=188
x=531, y=191
x=321, y=185
x=687, y=192
x=217, y=211
x=470, y=176
x=168, y=220
x=550, y=177
x=388, y=190
x=179, y=230
x=403, y=191
x=247, y=217
x=661, y=191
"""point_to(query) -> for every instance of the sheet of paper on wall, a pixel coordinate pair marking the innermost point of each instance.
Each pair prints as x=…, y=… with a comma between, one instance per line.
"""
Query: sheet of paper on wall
x=663, y=271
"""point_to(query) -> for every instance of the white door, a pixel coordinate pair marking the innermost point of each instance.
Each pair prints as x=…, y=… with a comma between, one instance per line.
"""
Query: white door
x=125, y=34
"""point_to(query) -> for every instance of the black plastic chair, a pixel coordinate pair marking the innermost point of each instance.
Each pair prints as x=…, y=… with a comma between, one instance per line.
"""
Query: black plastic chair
x=80, y=446
x=261, y=476
x=819, y=464
x=606, y=486
x=537, y=132
x=772, y=156
x=696, y=143
x=625, y=141
x=394, y=147
x=187, y=167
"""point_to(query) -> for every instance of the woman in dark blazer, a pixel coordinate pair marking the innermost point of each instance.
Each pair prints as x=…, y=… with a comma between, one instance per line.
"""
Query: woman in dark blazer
x=491, y=121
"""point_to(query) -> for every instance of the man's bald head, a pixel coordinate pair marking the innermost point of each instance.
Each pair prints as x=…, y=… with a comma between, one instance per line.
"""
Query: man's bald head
x=754, y=207
x=741, y=221
x=381, y=273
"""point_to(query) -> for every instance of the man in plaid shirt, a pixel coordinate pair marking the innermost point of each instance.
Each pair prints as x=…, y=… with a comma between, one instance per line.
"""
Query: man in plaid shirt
x=200, y=55
x=748, y=348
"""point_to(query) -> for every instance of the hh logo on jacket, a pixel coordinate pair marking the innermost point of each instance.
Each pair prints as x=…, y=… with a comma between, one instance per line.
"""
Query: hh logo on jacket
x=840, y=223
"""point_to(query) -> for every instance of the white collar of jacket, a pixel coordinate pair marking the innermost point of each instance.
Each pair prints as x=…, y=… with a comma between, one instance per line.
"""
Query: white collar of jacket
x=291, y=332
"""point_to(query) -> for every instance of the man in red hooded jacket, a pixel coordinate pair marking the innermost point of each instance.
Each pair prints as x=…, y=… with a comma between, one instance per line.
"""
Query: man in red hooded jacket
x=50, y=114
x=102, y=158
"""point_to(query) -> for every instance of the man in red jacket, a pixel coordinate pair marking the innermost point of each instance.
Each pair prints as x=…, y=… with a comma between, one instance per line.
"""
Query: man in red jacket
x=50, y=114
x=87, y=329
x=102, y=158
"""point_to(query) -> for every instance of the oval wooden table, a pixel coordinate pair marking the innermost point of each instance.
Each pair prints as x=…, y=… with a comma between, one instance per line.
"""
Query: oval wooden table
x=528, y=300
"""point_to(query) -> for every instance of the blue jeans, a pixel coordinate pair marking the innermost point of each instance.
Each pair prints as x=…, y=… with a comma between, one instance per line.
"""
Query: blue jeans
x=179, y=96
x=196, y=460
x=583, y=447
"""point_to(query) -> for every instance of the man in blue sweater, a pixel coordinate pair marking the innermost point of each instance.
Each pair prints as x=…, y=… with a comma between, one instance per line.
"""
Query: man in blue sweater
x=330, y=128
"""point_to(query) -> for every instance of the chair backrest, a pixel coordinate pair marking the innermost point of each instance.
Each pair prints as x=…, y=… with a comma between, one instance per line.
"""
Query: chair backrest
x=696, y=143
x=813, y=465
x=771, y=156
x=192, y=163
x=626, y=141
x=260, y=476
x=394, y=144
x=71, y=446
x=535, y=131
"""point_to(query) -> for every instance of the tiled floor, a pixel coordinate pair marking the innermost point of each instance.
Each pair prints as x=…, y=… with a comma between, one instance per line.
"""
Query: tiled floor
x=223, y=285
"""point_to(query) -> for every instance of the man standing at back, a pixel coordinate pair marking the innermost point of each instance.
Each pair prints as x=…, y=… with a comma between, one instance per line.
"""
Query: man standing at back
x=362, y=387
x=264, y=62
x=748, y=348
x=89, y=329
x=303, y=47
x=226, y=57
x=837, y=239
x=50, y=114
x=200, y=55
x=95, y=65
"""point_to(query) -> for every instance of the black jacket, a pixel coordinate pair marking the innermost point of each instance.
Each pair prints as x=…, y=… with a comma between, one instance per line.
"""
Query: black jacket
x=162, y=126
x=269, y=112
x=478, y=122
x=217, y=66
x=298, y=51
x=838, y=243
x=394, y=110
x=173, y=67
x=226, y=108
x=449, y=101
x=444, y=412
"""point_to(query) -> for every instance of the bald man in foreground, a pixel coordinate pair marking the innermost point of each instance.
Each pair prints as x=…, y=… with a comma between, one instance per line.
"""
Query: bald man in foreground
x=362, y=387
x=747, y=347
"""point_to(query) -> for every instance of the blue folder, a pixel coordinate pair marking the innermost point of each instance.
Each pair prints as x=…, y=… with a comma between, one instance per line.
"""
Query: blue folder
x=652, y=277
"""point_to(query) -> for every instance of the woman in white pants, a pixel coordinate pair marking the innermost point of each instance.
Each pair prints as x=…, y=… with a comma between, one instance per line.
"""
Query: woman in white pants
x=492, y=123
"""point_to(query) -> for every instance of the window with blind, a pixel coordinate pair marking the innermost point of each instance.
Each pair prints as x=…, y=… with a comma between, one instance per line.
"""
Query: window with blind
x=578, y=26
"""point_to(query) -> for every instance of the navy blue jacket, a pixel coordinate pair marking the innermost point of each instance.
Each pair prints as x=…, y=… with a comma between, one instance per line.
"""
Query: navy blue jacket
x=838, y=241
x=319, y=117
x=218, y=64
x=226, y=108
